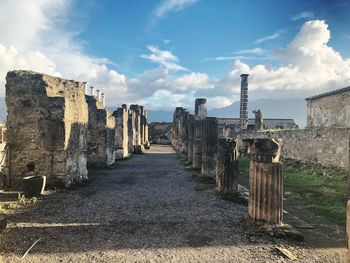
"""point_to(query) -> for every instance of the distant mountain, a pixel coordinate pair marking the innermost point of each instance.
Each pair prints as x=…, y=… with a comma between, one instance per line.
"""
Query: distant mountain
x=284, y=109
x=159, y=116
x=287, y=108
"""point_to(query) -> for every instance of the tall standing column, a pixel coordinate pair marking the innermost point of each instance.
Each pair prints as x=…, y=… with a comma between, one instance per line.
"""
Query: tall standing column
x=227, y=167
x=243, y=112
x=265, y=182
x=200, y=115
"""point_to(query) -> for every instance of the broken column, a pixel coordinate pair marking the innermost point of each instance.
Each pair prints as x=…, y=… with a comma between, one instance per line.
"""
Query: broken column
x=209, y=147
x=121, y=132
x=243, y=112
x=100, y=134
x=259, y=123
x=200, y=114
x=227, y=167
x=265, y=182
x=47, y=120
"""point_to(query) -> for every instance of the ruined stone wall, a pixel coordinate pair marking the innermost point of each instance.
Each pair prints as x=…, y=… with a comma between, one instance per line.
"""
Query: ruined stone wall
x=327, y=111
x=46, y=127
x=325, y=146
x=160, y=132
x=100, y=136
x=121, y=132
x=268, y=123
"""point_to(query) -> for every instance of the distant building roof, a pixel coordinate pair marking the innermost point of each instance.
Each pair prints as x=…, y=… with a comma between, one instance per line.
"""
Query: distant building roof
x=329, y=93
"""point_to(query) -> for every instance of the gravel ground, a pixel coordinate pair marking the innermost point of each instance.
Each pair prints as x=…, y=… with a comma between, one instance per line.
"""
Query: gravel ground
x=145, y=209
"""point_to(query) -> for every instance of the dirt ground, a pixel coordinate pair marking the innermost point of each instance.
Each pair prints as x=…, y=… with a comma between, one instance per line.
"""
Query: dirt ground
x=145, y=209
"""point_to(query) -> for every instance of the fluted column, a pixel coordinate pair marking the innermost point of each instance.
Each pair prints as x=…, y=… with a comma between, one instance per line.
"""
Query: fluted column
x=265, y=182
x=227, y=167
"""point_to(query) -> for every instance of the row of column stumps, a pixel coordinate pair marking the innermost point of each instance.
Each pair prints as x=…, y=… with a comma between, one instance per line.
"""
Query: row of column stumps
x=196, y=137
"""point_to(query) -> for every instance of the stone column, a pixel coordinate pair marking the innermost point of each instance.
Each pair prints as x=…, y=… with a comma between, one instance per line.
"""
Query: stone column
x=209, y=147
x=197, y=143
x=121, y=132
x=227, y=167
x=198, y=130
x=265, y=182
x=259, y=122
x=131, y=131
x=190, y=138
x=200, y=108
x=136, y=109
x=243, y=112
x=175, y=140
x=142, y=125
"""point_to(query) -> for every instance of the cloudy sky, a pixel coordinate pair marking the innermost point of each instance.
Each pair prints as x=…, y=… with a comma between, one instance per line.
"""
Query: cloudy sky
x=164, y=53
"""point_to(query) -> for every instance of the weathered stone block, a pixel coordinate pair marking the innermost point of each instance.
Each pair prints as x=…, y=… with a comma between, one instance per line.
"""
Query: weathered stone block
x=46, y=123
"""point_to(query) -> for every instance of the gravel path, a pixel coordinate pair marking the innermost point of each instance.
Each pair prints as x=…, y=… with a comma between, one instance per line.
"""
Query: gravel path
x=145, y=209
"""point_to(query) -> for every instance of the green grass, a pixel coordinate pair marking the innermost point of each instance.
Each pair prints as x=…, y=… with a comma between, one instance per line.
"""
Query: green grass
x=320, y=190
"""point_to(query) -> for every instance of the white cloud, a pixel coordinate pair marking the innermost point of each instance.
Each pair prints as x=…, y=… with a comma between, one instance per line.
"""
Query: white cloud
x=192, y=81
x=172, y=6
x=163, y=57
x=308, y=66
x=257, y=51
x=302, y=15
x=166, y=7
x=269, y=37
x=33, y=36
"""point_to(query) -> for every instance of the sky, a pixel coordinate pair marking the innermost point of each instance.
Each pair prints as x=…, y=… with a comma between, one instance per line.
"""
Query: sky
x=165, y=53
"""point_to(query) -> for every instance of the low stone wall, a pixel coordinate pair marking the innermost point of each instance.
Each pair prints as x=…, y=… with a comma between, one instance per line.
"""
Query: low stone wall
x=325, y=146
x=160, y=132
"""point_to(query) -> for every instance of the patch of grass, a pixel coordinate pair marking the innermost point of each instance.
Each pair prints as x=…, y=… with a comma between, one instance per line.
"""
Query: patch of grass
x=320, y=190
x=243, y=165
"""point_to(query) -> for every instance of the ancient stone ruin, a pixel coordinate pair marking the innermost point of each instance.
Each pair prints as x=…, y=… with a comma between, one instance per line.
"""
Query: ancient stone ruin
x=55, y=130
x=47, y=124
x=265, y=182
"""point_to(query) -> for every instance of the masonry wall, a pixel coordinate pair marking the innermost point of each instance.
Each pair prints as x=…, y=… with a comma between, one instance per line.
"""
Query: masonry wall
x=325, y=146
x=333, y=110
x=100, y=136
x=160, y=132
x=46, y=128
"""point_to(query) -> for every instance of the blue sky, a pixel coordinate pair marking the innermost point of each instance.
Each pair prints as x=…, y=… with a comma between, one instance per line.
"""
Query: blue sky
x=164, y=53
x=120, y=30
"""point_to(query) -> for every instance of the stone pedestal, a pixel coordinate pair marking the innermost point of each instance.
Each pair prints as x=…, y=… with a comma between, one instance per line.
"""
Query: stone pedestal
x=227, y=167
x=265, y=182
x=209, y=147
